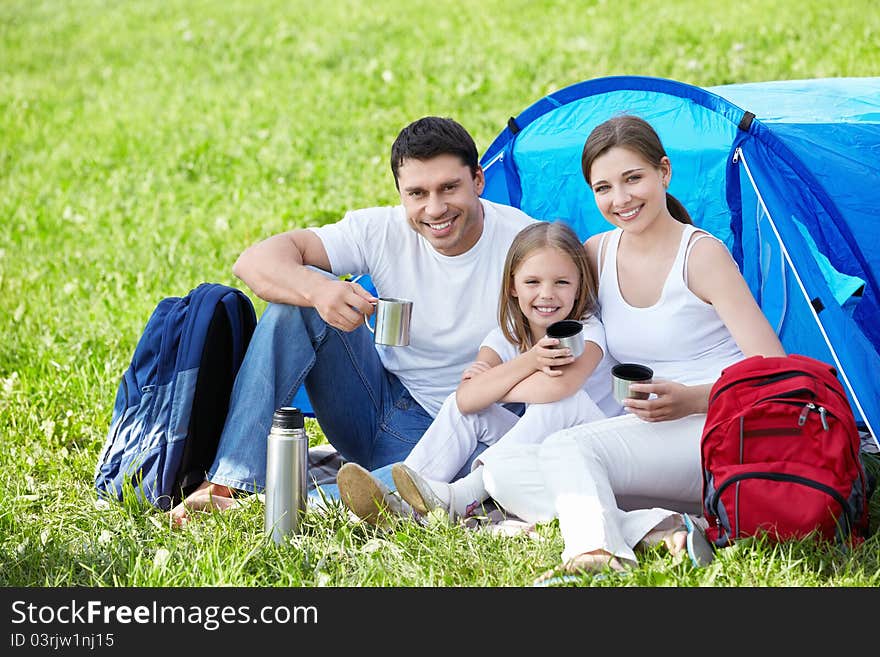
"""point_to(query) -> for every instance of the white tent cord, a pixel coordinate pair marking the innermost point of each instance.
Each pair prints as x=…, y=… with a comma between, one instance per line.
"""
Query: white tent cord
x=739, y=155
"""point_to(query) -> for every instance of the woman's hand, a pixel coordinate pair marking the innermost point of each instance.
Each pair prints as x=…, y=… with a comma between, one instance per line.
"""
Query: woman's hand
x=547, y=355
x=672, y=401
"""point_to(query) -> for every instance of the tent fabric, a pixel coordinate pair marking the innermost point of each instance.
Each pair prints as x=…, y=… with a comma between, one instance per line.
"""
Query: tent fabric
x=793, y=193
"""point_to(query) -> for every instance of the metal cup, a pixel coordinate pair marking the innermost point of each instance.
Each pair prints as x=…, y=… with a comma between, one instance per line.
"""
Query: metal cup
x=569, y=332
x=623, y=375
x=393, y=318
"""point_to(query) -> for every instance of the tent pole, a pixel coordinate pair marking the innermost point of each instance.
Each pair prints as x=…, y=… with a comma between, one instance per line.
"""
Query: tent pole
x=739, y=155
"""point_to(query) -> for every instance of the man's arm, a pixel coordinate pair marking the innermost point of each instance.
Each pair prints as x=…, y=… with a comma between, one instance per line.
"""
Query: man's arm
x=276, y=270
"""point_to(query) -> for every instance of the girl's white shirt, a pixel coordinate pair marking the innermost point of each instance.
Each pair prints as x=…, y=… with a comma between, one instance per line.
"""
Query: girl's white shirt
x=597, y=385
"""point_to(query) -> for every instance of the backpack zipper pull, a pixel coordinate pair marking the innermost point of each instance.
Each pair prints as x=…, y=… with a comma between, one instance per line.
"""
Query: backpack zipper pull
x=822, y=417
x=803, y=416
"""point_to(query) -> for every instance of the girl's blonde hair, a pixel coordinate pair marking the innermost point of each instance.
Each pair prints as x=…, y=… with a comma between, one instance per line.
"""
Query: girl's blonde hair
x=557, y=235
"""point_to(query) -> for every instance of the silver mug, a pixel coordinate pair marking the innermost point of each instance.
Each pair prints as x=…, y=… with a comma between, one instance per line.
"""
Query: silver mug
x=570, y=334
x=623, y=375
x=393, y=317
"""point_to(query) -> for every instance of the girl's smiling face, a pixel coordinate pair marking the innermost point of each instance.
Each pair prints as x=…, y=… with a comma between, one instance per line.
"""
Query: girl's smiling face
x=545, y=286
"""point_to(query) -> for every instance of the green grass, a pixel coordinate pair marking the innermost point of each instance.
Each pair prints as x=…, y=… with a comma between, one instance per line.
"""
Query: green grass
x=144, y=145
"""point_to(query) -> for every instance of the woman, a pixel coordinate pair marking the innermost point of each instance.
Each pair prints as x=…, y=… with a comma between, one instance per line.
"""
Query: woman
x=672, y=298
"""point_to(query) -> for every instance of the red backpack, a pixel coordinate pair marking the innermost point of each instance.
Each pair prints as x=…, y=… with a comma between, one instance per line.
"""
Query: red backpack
x=780, y=454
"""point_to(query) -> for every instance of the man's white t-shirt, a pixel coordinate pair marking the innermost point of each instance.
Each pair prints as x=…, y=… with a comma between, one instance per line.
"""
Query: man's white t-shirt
x=455, y=298
x=597, y=385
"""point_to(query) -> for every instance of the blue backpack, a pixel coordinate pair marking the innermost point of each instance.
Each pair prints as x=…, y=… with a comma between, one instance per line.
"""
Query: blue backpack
x=173, y=398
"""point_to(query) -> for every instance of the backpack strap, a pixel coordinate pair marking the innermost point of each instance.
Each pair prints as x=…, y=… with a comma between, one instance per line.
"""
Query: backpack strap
x=242, y=320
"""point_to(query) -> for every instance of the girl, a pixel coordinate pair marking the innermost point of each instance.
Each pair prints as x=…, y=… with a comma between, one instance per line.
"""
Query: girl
x=548, y=279
x=672, y=298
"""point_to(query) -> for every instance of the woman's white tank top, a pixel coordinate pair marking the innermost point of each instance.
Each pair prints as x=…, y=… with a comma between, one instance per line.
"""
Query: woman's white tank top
x=680, y=337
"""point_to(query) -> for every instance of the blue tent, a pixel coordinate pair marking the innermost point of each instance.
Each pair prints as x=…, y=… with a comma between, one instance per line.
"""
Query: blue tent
x=787, y=173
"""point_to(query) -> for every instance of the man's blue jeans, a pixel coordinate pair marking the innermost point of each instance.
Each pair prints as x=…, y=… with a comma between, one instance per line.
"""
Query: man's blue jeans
x=364, y=410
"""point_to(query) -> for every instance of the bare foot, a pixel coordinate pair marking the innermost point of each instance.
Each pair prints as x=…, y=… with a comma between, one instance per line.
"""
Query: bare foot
x=674, y=539
x=593, y=562
x=587, y=562
x=677, y=543
x=207, y=497
x=671, y=532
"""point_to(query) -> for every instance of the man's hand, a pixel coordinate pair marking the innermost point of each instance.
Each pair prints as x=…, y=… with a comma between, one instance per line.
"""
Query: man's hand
x=343, y=304
x=673, y=400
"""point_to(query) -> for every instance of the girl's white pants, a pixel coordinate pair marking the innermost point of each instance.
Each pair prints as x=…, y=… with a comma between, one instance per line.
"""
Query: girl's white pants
x=586, y=475
x=451, y=439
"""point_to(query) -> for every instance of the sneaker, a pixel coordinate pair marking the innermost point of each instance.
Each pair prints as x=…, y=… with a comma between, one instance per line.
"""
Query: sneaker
x=416, y=491
x=367, y=497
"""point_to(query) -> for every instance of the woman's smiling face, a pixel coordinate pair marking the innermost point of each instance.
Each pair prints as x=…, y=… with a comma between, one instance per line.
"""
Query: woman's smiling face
x=630, y=192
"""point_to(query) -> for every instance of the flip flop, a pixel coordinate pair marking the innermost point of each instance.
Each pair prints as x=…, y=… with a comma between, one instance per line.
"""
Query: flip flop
x=559, y=580
x=699, y=549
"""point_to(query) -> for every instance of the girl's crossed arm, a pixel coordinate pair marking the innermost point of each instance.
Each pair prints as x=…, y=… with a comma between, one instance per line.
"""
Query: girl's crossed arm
x=487, y=380
x=532, y=377
x=541, y=388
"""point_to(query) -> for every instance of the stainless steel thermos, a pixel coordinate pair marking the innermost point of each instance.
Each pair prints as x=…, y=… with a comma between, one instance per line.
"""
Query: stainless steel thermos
x=286, y=470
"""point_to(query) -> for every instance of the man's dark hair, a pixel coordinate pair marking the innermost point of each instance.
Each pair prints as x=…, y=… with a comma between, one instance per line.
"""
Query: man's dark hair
x=429, y=137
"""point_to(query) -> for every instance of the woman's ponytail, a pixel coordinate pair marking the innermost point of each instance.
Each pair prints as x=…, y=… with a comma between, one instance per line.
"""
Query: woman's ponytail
x=677, y=210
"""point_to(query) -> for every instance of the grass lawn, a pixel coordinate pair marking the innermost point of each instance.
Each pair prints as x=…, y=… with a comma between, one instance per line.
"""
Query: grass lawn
x=144, y=145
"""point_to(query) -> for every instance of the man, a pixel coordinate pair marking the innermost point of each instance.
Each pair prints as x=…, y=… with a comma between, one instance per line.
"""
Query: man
x=443, y=248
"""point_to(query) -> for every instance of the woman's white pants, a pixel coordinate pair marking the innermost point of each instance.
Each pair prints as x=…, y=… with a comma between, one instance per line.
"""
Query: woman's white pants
x=587, y=475
x=453, y=436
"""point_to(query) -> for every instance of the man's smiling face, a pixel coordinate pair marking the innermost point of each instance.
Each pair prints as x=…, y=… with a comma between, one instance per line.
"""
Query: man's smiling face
x=442, y=202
